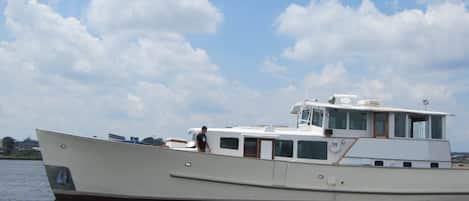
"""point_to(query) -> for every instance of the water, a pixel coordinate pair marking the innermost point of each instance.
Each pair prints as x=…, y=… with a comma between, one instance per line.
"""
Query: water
x=24, y=181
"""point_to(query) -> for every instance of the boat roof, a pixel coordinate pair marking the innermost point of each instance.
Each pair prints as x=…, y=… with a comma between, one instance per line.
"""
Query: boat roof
x=308, y=103
x=260, y=131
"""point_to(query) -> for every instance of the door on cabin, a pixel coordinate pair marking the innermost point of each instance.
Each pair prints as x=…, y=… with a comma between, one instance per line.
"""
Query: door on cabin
x=250, y=147
x=259, y=148
x=267, y=149
x=380, y=124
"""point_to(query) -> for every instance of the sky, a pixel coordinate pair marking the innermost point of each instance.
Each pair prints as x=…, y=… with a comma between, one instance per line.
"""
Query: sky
x=156, y=68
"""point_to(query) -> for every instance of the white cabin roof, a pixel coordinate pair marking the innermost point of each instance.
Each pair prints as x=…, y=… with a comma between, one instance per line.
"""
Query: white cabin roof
x=308, y=103
x=255, y=131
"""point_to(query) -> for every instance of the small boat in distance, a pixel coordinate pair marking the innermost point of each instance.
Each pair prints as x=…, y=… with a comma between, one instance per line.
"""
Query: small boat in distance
x=342, y=149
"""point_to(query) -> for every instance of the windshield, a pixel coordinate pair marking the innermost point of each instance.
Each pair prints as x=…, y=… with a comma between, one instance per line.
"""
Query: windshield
x=304, y=116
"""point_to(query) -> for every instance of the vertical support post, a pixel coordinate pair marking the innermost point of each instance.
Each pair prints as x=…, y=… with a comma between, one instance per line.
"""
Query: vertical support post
x=407, y=126
x=429, y=127
x=391, y=123
x=443, y=127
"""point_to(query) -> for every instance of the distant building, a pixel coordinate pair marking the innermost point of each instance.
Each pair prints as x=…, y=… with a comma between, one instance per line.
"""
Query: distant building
x=134, y=140
x=27, y=144
x=116, y=138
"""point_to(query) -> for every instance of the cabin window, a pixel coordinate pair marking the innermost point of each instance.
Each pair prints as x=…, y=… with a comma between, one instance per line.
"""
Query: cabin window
x=358, y=120
x=284, y=148
x=229, y=143
x=407, y=164
x=399, y=124
x=337, y=119
x=379, y=163
x=312, y=150
x=317, y=117
x=437, y=127
x=250, y=147
x=304, y=116
x=434, y=165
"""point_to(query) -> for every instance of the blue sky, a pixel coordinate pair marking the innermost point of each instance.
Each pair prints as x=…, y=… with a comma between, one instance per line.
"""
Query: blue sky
x=156, y=68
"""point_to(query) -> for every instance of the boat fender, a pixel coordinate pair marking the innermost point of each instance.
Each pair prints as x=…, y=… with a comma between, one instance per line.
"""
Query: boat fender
x=335, y=146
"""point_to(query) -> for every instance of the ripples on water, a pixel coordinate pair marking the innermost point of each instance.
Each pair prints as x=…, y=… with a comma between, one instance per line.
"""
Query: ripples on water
x=24, y=181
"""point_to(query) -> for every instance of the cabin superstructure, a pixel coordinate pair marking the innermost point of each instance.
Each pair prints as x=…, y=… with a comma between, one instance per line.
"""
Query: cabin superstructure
x=340, y=118
x=344, y=132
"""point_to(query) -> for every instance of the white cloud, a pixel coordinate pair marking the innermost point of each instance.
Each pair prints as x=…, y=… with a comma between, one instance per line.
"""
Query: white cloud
x=135, y=105
x=327, y=30
x=389, y=87
x=146, y=16
x=271, y=66
x=399, y=58
x=56, y=74
x=332, y=75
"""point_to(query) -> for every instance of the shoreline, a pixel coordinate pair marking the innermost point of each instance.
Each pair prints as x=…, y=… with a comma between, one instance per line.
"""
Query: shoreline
x=19, y=158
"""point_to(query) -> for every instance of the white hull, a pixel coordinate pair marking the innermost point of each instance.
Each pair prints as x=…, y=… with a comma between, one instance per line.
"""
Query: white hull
x=119, y=170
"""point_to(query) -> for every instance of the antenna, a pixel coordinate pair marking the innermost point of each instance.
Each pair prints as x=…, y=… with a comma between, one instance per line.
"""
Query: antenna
x=425, y=102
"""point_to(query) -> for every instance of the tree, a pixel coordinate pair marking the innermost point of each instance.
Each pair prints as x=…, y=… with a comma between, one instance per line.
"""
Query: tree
x=153, y=141
x=8, y=145
x=148, y=141
x=158, y=142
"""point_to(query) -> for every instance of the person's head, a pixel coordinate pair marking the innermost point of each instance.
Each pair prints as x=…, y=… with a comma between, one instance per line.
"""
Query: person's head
x=204, y=129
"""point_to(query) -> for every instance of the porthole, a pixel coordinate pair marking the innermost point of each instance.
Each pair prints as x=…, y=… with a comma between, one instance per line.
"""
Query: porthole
x=379, y=163
x=407, y=164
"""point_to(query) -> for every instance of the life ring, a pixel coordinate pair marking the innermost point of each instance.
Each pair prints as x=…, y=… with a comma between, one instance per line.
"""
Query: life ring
x=335, y=146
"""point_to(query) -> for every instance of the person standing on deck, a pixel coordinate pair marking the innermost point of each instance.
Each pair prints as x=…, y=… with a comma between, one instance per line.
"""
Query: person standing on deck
x=201, y=140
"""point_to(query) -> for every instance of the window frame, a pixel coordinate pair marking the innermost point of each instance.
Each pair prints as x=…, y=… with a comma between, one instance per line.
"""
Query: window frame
x=404, y=116
x=332, y=111
x=229, y=147
x=379, y=163
x=350, y=120
x=305, y=121
x=276, y=146
x=322, y=156
x=433, y=128
x=320, y=112
x=407, y=164
x=256, y=150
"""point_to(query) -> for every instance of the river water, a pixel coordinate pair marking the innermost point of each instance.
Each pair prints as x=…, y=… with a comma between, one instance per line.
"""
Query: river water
x=24, y=181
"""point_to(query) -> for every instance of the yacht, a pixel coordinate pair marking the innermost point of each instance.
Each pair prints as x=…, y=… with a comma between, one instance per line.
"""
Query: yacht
x=343, y=149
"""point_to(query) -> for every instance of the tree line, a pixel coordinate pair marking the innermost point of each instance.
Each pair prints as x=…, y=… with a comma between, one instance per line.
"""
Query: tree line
x=8, y=145
x=153, y=141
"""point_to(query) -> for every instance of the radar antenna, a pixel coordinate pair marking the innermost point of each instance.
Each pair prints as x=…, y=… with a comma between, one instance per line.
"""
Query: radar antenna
x=425, y=102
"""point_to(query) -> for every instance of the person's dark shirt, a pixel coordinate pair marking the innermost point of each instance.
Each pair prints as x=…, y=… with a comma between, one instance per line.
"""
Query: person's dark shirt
x=201, y=141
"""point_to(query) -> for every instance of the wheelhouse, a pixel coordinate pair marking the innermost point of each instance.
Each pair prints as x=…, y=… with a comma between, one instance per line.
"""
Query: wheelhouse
x=368, y=119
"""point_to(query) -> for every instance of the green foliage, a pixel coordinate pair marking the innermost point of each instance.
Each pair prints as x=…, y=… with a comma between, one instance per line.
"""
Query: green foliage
x=153, y=141
x=148, y=141
x=8, y=144
x=158, y=142
x=23, y=155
